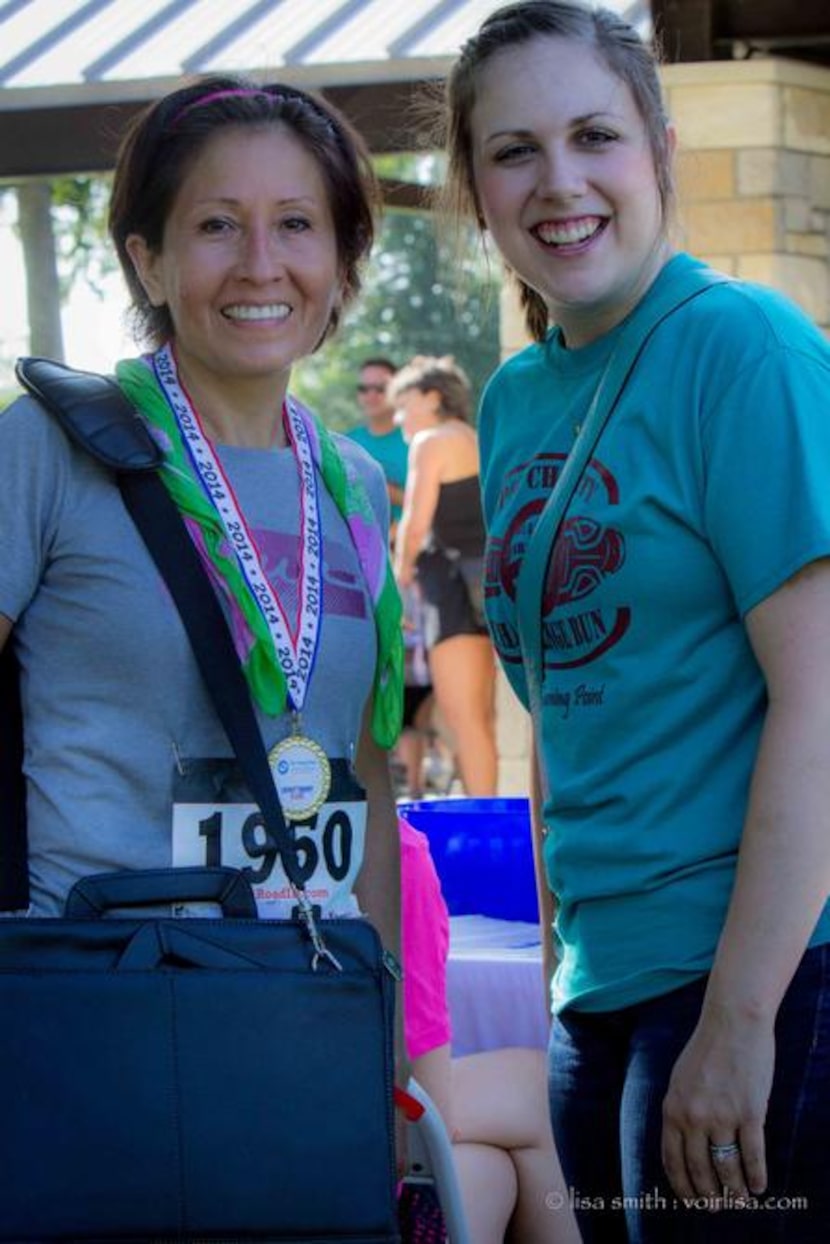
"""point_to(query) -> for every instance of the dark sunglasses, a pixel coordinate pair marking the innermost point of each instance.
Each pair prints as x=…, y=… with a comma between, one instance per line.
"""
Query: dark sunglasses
x=371, y=388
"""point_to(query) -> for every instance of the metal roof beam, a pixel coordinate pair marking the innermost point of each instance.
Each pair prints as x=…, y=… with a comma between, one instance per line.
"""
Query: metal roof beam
x=304, y=48
x=412, y=37
x=80, y=17
x=195, y=62
x=11, y=9
x=125, y=47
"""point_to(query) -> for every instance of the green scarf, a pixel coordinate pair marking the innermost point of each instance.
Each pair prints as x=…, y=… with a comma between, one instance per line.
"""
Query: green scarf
x=258, y=656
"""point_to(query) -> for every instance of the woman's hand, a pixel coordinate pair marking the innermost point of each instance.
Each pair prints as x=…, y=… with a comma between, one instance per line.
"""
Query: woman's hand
x=718, y=1095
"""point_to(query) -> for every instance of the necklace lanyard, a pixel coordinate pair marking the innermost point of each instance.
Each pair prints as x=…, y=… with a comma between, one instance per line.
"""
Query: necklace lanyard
x=295, y=646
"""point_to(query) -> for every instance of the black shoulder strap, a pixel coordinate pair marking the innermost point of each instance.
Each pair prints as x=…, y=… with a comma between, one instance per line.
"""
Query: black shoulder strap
x=97, y=416
x=155, y=515
x=93, y=412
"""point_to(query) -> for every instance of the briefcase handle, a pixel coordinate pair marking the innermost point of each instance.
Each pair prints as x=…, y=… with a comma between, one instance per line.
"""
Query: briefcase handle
x=228, y=887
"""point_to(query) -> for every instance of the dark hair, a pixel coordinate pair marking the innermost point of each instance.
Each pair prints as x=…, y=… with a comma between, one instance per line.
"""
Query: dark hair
x=163, y=141
x=380, y=361
x=619, y=45
x=443, y=376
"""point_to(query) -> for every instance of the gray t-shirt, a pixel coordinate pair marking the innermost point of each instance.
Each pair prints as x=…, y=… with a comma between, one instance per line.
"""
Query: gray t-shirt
x=117, y=719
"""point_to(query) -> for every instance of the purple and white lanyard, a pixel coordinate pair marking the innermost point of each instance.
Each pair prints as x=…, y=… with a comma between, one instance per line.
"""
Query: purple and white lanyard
x=295, y=647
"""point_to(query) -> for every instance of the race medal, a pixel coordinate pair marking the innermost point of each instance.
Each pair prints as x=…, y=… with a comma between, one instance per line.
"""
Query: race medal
x=302, y=776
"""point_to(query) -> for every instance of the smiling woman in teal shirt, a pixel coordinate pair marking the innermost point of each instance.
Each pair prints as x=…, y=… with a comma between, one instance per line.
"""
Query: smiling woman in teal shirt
x=681, y=737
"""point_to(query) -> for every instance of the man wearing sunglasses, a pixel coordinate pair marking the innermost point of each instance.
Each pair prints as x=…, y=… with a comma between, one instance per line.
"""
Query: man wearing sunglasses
x=378, y=434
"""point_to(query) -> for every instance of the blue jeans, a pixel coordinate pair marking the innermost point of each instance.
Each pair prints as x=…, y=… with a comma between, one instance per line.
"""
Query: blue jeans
x=608, y=1076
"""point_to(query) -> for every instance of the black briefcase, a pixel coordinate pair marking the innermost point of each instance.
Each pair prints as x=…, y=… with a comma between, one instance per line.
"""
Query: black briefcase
x=218, y=1079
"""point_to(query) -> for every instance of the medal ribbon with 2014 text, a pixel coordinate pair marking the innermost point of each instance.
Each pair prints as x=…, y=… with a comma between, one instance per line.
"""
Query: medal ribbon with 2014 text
x=296, y=647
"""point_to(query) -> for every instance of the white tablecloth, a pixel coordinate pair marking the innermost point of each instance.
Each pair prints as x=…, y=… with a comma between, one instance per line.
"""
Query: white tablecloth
x=494, y=981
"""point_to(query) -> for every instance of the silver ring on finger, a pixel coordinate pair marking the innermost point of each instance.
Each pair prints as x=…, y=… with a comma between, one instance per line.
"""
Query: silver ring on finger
x=723, y=1153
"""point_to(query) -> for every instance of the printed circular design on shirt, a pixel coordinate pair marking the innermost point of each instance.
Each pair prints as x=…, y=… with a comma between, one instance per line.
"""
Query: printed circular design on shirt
x=580, y=620
x=585, y=554
x=514, y=545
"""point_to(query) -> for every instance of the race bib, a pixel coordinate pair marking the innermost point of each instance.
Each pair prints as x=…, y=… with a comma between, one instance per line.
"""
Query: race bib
x=215, y=823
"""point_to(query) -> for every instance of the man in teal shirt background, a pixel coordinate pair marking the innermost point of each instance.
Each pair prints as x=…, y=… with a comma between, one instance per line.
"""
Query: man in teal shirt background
x=378, y=434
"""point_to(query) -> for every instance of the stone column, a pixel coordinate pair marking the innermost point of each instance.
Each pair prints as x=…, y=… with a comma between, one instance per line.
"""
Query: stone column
x=754, y=172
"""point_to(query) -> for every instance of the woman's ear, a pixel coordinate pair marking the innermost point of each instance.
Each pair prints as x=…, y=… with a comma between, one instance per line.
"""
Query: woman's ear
x=146, y=264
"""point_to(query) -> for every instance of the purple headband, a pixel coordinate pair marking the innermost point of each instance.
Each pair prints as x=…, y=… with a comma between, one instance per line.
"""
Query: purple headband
x=239, y=92
x=247, y=92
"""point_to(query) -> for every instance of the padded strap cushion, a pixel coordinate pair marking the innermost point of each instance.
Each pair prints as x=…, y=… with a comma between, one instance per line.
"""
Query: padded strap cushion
x=93, y=412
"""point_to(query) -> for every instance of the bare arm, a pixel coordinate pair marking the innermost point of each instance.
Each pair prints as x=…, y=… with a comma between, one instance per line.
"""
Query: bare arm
x=5, y=630
x=721, y=1083
x=420, y=499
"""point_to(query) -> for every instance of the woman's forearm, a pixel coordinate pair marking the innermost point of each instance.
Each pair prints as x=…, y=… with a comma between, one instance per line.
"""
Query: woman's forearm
x=408, y=544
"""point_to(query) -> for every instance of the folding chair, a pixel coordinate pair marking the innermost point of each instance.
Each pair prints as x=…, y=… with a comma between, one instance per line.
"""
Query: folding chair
x=430, y=1160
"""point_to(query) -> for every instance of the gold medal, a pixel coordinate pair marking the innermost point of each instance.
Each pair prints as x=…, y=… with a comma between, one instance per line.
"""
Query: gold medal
x=302, y=776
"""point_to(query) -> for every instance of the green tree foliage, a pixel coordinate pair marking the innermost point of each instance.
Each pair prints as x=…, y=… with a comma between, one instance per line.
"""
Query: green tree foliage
x=79, y=208
x=419, y=297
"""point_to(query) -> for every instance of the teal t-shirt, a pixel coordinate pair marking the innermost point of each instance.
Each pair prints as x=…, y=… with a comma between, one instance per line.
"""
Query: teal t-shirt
x=391, y=451
x=709, y=488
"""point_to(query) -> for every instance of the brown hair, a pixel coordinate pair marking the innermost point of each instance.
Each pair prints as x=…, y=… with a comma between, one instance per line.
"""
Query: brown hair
x=162, y=142
x=443, y=376
x=615, y=41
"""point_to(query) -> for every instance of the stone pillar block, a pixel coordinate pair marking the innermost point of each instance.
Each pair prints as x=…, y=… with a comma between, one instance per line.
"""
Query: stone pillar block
x=798, y=216
x=807, y=120
x=705, y=176
x=728, y=116
x=733, y=227
x=814, y=244
x=818, y=181
x=772, y=172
